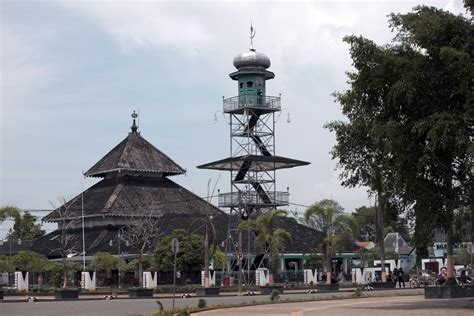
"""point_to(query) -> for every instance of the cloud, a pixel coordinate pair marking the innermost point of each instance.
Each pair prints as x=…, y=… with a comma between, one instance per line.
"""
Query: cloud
x=20, y=73
x=145, y=24
x=295, y=35
x=455, y=7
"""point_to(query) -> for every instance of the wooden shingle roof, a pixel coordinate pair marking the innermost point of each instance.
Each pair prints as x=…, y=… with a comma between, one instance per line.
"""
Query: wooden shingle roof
x=304, y=239
x=135, y=154
x=136, y=196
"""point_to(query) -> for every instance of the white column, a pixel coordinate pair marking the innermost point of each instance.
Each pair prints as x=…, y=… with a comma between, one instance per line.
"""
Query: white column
x=262, y=277
x=88, y=280
x=150, y=279
x=21, y=280
x=311, y=275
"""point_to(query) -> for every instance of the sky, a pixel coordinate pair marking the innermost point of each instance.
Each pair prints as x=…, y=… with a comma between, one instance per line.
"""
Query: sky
x=72, y=72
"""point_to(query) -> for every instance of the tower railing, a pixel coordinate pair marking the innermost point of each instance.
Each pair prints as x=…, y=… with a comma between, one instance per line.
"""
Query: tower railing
x=236, y=199
x=252, y=101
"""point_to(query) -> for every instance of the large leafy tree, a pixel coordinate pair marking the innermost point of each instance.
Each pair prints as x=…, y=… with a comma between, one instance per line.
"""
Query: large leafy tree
x=27, y=260
x=410, y=110
x=25, y=227
x=334, y=226
x=365, y=218
x=268, y=237
x=189, y=258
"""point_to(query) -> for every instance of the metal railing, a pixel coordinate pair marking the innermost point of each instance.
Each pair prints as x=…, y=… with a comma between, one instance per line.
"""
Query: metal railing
x=252, y=101
x=236, y=199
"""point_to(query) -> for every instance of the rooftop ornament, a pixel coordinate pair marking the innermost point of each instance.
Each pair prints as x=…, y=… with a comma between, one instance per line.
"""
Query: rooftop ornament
x=252, y=35
x=134, y=126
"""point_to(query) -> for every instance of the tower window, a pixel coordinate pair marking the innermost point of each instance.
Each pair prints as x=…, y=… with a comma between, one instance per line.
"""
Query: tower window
x=241, y=85
x=249, y=84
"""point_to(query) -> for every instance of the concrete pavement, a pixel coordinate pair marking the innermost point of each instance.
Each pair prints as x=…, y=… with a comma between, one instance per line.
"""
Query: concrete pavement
x=367, y=306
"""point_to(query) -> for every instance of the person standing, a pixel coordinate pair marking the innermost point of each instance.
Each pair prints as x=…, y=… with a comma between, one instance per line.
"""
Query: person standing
x=394, y=276
x=400, y=278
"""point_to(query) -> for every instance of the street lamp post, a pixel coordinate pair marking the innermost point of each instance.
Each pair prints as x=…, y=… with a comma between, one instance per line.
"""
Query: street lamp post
x=119, y=261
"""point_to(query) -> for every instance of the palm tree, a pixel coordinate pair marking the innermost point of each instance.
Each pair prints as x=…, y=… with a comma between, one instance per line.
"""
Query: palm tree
x=267, y=237
x=333, y=225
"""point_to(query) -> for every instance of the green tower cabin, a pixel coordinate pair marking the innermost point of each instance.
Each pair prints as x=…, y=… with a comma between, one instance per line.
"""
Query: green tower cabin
x=253, y=161
x=251, y=76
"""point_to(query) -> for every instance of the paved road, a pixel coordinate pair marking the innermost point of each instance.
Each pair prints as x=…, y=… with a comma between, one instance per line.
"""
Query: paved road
x=386, y=306
x=144, y=306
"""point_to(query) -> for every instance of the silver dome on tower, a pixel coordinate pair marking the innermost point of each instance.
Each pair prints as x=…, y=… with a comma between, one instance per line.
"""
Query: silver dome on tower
x=252, y=58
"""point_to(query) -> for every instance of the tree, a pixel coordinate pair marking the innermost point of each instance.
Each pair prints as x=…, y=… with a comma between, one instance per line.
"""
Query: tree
x=26, y=228
x=189, y=257
x=141, y=232
x=267, y=237
x=464, y=257
x=26, y=260
x=333, y=226
x=5, y=264
x=106, y=261
x=9, y=211
x=314, y=261
x=365, y=218
x=218, y=258
x=410, y=108
x=67, y=240
x=367, y=256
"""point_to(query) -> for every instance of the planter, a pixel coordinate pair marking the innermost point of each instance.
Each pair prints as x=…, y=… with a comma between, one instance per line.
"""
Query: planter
x=267, y=290
x=449, y=291
x=383, y=285
x=207, y=291
x=140, y=292
x=327, y=287
x=66, y=294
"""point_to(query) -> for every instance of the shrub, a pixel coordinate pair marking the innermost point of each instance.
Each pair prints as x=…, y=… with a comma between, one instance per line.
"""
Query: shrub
x=202, y=303
x=357, y=293
x=275, y=296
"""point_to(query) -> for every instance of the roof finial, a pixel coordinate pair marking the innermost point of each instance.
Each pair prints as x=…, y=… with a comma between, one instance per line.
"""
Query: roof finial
x=134, y=126
x=252, y=35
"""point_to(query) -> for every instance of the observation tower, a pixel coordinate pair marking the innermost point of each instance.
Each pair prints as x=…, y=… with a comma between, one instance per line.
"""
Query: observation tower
x=253, y=161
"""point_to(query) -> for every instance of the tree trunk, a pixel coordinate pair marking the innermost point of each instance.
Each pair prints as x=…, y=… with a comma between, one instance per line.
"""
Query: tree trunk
x=64, y=273
x=450, y=233
x=380, y=226
x=328, y=265
x=40, y=279
x=271, y=265
x=450, y=253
